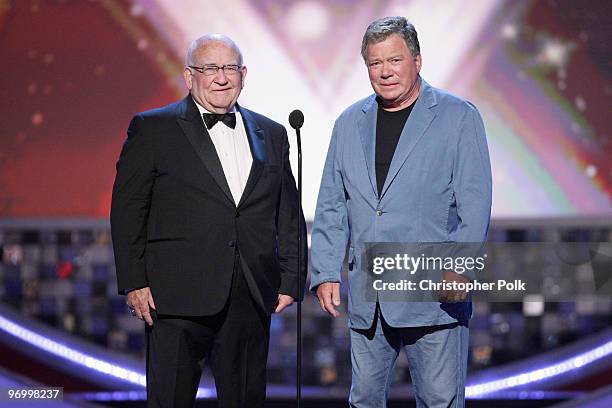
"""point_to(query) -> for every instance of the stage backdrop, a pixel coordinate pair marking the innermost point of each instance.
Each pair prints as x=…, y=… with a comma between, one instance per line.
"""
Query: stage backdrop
x=74, y=72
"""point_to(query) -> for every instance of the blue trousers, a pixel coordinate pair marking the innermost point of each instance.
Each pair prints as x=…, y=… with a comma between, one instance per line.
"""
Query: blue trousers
x=437, y=358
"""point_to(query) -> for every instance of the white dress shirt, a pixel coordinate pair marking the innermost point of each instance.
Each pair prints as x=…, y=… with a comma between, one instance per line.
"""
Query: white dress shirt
x=233, y=150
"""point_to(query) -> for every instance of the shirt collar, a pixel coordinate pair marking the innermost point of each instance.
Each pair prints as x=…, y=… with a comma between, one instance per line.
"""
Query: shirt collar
x=202, y=109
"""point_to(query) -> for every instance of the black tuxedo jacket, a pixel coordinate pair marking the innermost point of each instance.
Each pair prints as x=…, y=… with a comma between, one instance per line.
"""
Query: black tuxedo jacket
x=174, y=223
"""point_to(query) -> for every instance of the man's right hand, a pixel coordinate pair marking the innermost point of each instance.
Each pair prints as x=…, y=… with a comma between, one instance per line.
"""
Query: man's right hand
x=329, y=297
x=140, y=300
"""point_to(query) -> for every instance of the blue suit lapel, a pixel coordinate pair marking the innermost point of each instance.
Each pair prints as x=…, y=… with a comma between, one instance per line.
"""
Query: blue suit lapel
x=367, y=133
x=419, y=120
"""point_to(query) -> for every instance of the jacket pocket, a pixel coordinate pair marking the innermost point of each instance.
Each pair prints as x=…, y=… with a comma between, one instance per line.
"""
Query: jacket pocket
x=165, y=239
x=351, y=258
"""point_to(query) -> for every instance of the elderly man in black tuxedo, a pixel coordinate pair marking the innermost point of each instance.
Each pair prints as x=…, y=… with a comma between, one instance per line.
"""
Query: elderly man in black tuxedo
x=204, y=223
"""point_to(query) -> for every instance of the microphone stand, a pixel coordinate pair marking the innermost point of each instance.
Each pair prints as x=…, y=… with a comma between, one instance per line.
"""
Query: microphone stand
x=296, y=120
x=299, y=273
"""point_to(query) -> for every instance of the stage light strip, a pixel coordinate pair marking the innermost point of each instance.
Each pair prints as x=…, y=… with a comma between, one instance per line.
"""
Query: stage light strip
x=137, y=378
x=70, y=354
x=85, y=360
x=540, y=374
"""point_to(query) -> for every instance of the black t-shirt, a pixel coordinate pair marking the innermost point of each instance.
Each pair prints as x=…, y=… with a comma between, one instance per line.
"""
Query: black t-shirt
x=389, y=126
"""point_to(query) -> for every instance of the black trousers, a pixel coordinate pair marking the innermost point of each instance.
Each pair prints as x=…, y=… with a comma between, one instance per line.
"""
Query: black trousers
x=234, y=342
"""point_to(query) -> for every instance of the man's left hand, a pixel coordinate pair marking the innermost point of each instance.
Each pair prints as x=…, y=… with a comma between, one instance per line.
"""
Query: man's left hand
x=453, y=295
x=282, y=302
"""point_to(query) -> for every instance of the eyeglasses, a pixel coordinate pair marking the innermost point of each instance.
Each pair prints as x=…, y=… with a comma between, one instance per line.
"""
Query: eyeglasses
x=209, y=70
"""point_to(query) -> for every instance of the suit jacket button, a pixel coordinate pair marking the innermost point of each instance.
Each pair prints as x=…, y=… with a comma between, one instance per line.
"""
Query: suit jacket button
x=379, y=212
x=237, y=214
x=231, y=244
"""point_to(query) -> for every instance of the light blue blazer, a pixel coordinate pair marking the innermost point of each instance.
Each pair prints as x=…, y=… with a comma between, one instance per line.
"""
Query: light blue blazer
x=438, y=189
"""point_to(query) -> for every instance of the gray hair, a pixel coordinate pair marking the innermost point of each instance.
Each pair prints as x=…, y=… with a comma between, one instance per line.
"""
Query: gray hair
x=198, y=43
x=382, y=28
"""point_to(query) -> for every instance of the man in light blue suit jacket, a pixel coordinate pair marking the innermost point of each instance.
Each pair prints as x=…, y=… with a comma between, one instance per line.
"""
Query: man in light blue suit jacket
x=408, y=164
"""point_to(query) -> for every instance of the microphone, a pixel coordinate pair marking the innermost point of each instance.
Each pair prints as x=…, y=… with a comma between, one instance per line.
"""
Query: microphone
x=296, y=120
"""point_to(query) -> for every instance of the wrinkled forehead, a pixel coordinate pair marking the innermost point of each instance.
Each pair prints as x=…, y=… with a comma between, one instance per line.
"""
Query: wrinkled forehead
x=392, y=43
x=217, y=51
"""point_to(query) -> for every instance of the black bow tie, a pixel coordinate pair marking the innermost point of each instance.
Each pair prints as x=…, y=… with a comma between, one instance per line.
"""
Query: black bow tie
x=211, y=119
